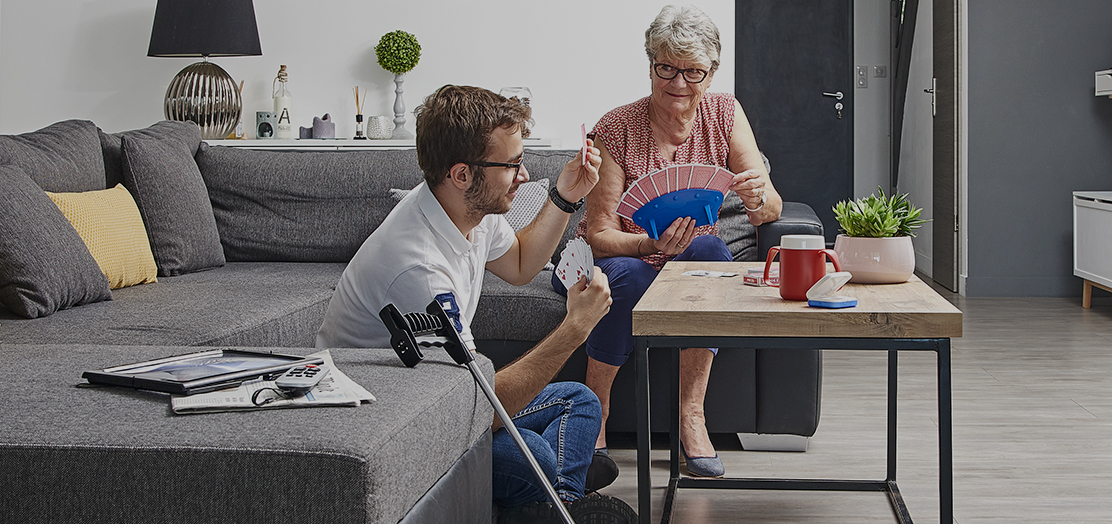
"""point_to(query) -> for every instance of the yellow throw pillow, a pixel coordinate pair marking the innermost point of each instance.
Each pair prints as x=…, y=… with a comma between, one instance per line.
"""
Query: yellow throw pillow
x=109, y=222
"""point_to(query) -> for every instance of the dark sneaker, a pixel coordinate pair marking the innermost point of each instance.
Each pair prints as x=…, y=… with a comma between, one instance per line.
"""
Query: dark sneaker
x=602, y=472
x=602, y=509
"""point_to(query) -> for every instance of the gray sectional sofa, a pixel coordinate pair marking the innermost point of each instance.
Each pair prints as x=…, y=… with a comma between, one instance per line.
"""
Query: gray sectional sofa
x=253, y=263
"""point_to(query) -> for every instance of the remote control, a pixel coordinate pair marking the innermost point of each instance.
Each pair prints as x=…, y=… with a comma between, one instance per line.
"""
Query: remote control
x=301, y=378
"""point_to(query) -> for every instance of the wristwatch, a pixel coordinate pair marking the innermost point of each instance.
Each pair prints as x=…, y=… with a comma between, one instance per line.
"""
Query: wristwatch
x=764, y=197
x=564, y=205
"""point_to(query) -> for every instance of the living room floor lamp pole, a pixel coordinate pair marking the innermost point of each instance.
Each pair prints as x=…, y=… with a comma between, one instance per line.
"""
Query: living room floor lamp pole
x=203, y=92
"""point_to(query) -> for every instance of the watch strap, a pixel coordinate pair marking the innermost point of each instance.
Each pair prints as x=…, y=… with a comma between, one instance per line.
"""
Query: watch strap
x=563, y=204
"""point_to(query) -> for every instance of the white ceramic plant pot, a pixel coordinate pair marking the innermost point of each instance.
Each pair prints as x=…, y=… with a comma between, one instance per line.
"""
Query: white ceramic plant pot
x=889, y=260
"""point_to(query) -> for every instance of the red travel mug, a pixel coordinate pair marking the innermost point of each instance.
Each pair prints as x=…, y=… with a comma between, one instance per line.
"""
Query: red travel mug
x=802, y=263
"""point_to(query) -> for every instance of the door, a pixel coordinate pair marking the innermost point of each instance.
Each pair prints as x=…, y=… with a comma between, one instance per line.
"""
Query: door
x=944, y=256
x=789, y=53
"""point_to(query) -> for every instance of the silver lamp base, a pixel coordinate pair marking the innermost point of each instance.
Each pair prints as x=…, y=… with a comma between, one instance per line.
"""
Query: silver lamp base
x=206, y=94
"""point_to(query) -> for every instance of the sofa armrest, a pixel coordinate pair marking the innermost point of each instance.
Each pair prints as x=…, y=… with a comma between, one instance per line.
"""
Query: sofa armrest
x=796, y=218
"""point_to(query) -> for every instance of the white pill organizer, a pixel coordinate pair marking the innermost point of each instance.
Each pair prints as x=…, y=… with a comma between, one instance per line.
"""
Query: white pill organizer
x=822, y=293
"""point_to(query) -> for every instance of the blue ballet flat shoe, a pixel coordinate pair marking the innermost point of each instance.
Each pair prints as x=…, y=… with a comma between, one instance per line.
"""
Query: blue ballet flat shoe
x=704, y=466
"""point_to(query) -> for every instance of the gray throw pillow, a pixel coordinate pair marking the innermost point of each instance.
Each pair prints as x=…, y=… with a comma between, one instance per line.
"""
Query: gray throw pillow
x=187, y=132
x=44, y=264
x=171, y=195
x=63, y=158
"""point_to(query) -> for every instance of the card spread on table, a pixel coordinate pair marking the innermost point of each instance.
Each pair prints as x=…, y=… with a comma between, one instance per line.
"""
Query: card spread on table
x=576, y=260
x=671, y=179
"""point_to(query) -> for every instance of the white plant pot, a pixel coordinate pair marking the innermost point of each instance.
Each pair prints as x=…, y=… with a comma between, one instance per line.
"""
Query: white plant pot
x=889, y=260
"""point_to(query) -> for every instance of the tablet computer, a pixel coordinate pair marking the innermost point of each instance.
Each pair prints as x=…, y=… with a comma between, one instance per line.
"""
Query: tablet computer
x=197, y=372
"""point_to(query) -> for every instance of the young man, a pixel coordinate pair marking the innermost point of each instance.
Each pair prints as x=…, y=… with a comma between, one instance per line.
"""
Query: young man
x=435, y=244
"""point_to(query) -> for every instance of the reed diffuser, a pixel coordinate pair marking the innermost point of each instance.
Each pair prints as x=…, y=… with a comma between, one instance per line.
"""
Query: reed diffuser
x=359, y=115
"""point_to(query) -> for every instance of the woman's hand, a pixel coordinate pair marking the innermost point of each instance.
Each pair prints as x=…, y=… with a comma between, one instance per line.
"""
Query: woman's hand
x=579, y=177
x=676, y=238
x=750, y=187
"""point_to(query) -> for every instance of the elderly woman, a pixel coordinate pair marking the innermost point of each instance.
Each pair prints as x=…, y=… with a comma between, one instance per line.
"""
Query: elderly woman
x=678, y=123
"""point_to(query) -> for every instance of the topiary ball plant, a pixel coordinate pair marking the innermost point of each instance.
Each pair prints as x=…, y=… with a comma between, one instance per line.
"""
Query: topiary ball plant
x=398, y=52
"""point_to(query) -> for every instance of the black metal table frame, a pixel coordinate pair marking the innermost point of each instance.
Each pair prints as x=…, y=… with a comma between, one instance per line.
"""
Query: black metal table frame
x=941, y=346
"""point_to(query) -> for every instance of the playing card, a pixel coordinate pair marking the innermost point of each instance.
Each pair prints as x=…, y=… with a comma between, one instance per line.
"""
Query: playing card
x=576, y=260
x=586, y=257
x=660, y=179
x=627, y=209
x=702, y=175
x=583, y=130
x=721, y=180
x=684, y=175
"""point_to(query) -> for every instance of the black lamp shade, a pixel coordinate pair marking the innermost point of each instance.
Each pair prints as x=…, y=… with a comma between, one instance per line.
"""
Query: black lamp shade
x=204, y=28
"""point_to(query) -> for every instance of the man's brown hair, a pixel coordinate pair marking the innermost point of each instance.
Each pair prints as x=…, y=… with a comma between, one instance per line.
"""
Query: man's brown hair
x=455, y=123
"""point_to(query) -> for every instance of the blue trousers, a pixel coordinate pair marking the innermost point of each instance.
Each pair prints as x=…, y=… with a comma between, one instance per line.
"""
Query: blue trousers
x=560, y=427
x=611, y=341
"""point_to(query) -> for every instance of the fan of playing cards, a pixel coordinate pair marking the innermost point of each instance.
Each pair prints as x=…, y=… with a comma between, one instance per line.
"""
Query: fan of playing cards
x=657, y=199
x=576, y=260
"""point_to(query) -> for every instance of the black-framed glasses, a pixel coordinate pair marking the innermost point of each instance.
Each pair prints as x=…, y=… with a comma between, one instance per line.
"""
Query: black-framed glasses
x=515, y=165
x=668, y=72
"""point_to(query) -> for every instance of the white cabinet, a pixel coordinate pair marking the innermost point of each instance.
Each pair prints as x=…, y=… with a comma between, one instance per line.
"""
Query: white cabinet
x=1092, y=240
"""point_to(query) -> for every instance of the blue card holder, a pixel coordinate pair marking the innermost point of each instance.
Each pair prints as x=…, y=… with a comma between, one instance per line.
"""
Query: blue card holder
x=659, y=213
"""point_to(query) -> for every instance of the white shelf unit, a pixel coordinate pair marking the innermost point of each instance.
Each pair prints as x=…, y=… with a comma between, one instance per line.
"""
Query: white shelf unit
x=1092, y=241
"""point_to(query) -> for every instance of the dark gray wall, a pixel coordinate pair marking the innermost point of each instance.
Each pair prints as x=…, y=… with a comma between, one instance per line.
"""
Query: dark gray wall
x=1036, y=134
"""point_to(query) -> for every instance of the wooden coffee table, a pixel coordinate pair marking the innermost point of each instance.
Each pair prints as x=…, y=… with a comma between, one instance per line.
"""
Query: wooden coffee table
x=691, y=311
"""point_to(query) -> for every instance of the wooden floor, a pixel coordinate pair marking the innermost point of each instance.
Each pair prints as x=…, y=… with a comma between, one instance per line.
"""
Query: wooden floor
x=1032, y=397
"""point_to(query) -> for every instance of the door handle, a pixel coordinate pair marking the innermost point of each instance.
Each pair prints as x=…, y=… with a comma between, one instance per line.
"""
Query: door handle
x=931, y=91
x=837, y=96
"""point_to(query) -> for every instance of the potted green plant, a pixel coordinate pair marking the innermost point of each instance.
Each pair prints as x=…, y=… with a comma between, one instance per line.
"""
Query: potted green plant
x=398, y=52
x=875, y=244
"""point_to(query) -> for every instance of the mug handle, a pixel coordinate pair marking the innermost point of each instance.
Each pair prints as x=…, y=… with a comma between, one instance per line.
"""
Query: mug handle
x=833, y=258
x=772, y=251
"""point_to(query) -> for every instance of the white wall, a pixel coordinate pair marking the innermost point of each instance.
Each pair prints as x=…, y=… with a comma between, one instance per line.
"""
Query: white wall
x=86, y=59
x=872, y=137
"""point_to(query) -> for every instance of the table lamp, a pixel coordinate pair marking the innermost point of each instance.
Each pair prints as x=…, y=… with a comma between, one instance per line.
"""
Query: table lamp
x=203, y=92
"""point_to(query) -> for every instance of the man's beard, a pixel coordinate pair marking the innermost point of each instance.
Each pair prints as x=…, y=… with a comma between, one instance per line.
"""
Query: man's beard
x=481, y=202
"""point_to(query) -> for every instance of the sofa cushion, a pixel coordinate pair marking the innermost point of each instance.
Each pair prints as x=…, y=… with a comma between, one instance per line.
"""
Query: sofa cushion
x=44, y=265
x=109, y=223
x=62, y=157
x=121, y=455
x=735, y=229
x=112, y=147
x=508, y=312
x=163, y=178
x=301, y=206
x=240, y=304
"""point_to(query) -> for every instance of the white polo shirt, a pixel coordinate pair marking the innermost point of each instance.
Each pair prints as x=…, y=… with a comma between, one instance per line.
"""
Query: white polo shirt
x=416, y=254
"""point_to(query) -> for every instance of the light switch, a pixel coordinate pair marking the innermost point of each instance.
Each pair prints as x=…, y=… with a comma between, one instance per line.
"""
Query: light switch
x=862, y=77
x=880, y=71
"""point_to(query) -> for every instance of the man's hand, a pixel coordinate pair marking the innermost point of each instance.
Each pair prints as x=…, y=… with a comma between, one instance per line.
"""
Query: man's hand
x=578, y=177
x=588, y=303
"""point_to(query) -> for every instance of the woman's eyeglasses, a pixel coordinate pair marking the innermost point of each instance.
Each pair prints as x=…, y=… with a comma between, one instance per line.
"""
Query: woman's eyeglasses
x=668, y=72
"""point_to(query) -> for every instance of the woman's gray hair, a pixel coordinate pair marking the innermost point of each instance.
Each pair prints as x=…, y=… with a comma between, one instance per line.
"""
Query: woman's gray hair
x=684, y=32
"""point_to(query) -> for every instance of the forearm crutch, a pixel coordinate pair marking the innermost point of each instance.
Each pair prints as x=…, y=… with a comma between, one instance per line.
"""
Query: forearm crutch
x=410, y=332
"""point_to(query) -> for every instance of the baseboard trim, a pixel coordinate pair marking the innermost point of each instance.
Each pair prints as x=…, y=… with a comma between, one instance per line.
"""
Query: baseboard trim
x=773, y=442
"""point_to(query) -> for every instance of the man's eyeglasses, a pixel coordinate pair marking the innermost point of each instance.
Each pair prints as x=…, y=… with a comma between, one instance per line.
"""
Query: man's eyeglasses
x=515, y=165
x=668, y=72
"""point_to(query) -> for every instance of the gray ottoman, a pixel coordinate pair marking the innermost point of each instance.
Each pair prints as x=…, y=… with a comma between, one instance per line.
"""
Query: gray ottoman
x=118, y=455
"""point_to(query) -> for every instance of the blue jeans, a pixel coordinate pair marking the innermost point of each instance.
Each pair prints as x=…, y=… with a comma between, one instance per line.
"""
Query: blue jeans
x=611, y=341
x=560, y=427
